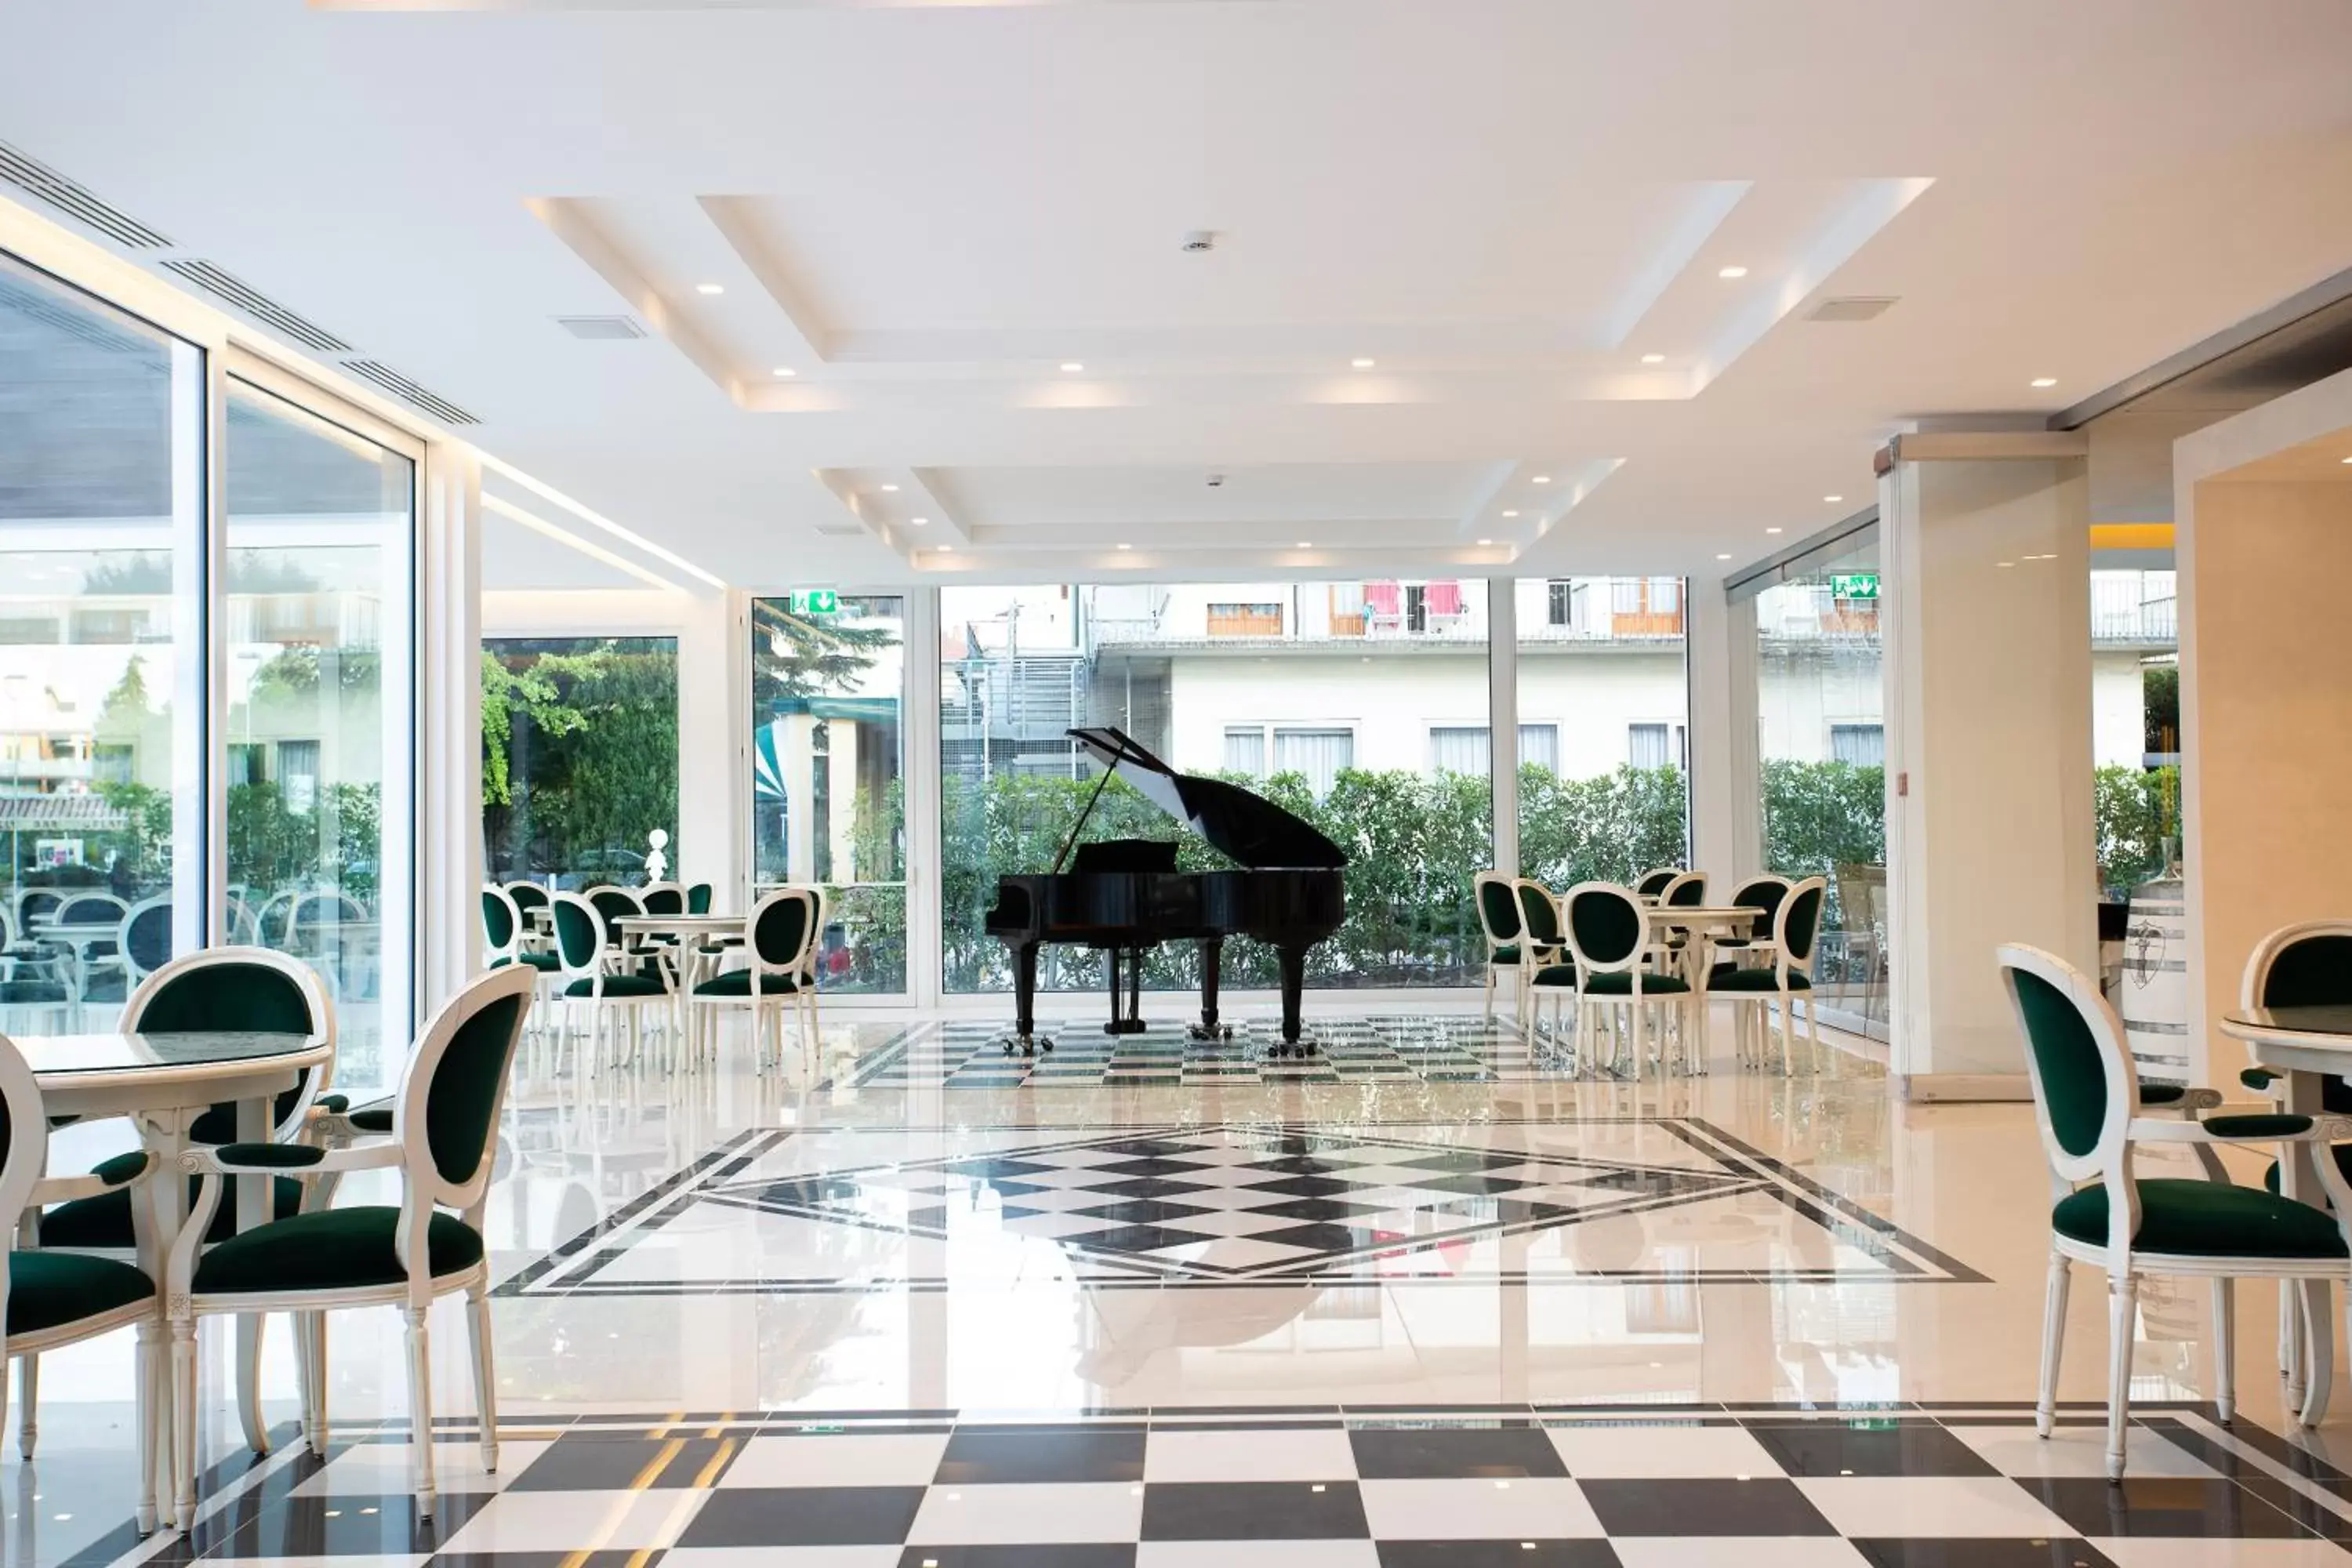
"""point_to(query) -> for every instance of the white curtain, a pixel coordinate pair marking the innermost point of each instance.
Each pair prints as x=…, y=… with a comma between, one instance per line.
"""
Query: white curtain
x=1648, y=745
x=1317, y=753
x=1864, y=745
x=1539, y=743
x=1245, y=751
x=1459, y=748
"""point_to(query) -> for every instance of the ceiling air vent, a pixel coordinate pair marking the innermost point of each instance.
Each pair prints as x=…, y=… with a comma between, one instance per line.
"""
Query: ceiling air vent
x=408, y=392
x=257, y=304
x=1852, y=307
x=839, y=529
x=601, y=329
x=76, y=201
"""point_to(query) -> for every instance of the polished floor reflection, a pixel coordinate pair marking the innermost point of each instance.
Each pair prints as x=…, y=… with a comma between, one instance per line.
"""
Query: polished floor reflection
x=850, y=1315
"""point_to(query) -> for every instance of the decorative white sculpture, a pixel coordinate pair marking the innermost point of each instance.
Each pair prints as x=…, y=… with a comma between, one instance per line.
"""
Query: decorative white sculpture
x=658, y=863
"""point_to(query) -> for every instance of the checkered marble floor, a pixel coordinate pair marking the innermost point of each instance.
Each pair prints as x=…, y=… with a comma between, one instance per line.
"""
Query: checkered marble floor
x=1434, y=1048
x=1318, y=1486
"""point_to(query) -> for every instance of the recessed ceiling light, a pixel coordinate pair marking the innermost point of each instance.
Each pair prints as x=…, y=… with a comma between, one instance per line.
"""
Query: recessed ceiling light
x=1486, y=541
x=710, y=287
x=889, y=489
x=1772, y=530
x=1833, y=500
x=2043, y=381
x=1305, y=545
x=1540, y=479
x=1732, y=272
x=950, y=550
x=1510, y=515
x=1653, y=359
x=1127, y=547
x=784, y=370
x=2349, y=459
x=1361, y=363
x=1724, y=555
x=2004, y=563
x=919, y=521
x=1073, y=365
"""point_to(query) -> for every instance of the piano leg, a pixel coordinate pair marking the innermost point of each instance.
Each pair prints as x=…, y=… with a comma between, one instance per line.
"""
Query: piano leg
x=1126, y=1000
x=1135, y=989
x=1294, y=981
x=1211, y=958
x=1024, y=1001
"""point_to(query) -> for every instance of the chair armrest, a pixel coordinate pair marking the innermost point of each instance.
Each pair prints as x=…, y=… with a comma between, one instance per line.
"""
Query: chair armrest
x=2201, y=1100
x=267, y=1156
x=2263, y=1128
x=105, y=1177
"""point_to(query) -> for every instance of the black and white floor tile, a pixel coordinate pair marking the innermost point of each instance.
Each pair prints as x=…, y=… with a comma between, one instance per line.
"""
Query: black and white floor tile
x=1263, y=1204
x=1432, y=1049
x=1899, y=1487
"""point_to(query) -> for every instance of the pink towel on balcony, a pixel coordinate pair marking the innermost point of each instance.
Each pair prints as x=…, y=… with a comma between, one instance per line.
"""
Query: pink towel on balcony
x=1443, y=598
x=1383, y=599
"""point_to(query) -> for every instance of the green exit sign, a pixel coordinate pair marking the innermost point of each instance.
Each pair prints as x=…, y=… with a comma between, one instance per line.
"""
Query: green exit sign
x=1854, y=584
x=815, y=602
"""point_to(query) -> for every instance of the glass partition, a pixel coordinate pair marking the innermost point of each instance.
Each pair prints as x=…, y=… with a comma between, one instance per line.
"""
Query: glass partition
x=579, y=760
x=320, y=532
x=1605, y=740
x=1359, y=706
x=1822, y=752
x=829, y=808
x=101, y=512
x=2136, y=724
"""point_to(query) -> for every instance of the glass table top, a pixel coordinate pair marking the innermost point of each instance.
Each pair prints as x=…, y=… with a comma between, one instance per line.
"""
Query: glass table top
x=64, y=1055
x=2325, y=1020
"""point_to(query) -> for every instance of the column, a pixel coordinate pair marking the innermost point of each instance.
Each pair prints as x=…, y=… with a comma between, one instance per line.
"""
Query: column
x=714, y=746
x=1726, y=822
x=448, y=746
x=1989, y=828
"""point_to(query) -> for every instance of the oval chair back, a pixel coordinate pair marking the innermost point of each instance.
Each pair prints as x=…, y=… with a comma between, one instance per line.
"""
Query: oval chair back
x=23, y=1143
x=663, y=898
x=1796, y=927
x=241, y=988
x=446, y=1112
x=1652, y=883
x=244, y=931
x=2309, y=965
x=146, y=939
x=92, y=909
x=781, y=933
x=2084, y=1091
x=1762, y=894
x=1538, y=916
x=501, y=926
x=1687, y=890
x=579, y=936
x=35, y=902
x=274, y=923
x=526, y=895
x=697, y=899
x=328, y=907
x=1606, y=928
x=1498, y=908
x=614, y=904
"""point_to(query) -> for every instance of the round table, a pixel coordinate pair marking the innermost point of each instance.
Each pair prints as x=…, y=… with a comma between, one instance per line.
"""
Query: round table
x=2308, y=1044
x=163, y=1082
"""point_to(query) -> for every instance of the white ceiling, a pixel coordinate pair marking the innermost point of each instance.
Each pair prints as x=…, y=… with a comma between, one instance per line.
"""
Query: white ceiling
x=924, y=211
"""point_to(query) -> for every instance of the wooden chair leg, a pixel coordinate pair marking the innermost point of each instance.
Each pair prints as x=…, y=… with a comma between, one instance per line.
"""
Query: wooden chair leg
x=420, y=1410
x=2225, y=1349
x=183, y=1423
x=2320, y=1350
x=2123, y=1311
x=2053, y=1341
x=28, y=1395
x=485, y=1385
x=148, y=1376
x=250, y=1326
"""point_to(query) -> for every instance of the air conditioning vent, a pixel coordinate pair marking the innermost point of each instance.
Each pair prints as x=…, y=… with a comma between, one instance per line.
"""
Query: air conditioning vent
x=257, y=304
x=76, y=201
x=1852, y=307
x=839, y=529
x=408, y=392
x=601, y=329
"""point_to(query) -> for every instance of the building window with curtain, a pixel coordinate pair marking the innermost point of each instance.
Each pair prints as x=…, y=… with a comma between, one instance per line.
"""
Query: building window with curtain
x=1650, y=745
x=1460, y=749
x=1245, y=750
x=1540, y=746
x=1861, y=745
x=1318, y=755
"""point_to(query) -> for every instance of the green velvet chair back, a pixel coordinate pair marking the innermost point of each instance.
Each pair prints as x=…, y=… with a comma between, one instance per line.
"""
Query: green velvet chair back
x=2308, y=965
x=256, y=989
x=446, y=1113
x=780, y=930
x=664, y=898
x=147, y=936
x=2085, y=1091
x=24, y=1148
x=526, y=895
x=1762, y=894
x=1687, y=891
x=1498, y=907
x=578, y=933
x=497, y=921
x=1798, y=923
x=1605, y=927
x=697, y=899
x=613, y=904
x=1538, y=914
x=1653, y=883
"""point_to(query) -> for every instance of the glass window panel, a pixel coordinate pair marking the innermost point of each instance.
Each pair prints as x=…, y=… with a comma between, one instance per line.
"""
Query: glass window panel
x=1461, y=749
x=1821, y=751
x=321, y=530
x=1332, y=691
x=579, y=760
x=2135, y=725
x=100, y=501
x=1603, y=697
x=828, y=677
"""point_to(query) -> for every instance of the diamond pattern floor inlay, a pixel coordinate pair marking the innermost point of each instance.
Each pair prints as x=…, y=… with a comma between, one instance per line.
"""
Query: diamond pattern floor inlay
x=1238, y=1203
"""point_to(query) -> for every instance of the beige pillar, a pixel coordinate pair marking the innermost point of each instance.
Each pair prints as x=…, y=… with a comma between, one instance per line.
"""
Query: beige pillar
x=1990, y=831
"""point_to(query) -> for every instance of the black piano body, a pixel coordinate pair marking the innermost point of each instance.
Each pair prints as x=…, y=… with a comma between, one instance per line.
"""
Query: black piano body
x=1124, y=897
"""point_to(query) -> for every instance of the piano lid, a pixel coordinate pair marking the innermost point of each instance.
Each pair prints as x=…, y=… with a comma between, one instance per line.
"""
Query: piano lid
x=1247, y=828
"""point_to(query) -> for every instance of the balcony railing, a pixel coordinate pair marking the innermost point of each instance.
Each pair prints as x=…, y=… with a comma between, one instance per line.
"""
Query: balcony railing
x=2121, y=613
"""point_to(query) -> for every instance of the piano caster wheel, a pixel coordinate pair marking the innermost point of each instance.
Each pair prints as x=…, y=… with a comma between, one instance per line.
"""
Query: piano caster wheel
x=1026, y=1047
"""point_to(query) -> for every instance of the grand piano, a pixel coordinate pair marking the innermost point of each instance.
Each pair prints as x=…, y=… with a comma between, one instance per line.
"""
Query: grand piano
x=1126, y=897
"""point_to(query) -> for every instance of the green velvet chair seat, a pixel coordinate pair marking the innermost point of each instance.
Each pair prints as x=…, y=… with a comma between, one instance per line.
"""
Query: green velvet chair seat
x=628, y=985
x=1505, y=954
x=1723, y=977
x=1619, y=983
x=2343, y=1152
x=1556, y=974
x=103, y=1223
x=330, y=1250
x=738, y=983
x=333, y=1104
x=48, y=1289
x=546, y=963
x=2161, y=1094
x=2205, y=1219
x=372, y=1119
x=31, y=993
